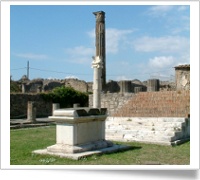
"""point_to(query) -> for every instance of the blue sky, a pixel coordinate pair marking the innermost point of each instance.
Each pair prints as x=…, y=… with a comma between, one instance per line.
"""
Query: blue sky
x=142, y=42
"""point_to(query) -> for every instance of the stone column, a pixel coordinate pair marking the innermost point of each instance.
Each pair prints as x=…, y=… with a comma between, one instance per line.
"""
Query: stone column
x=31, y=112
x=23, y=87
x=97, y=65
x=101, y=43
x=55, y=106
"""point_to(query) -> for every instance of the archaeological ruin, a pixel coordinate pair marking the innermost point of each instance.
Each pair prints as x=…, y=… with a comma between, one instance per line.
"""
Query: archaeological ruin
x=151, y=111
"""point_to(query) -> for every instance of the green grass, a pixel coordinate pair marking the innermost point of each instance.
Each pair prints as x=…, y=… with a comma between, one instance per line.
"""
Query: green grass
x=24, y=141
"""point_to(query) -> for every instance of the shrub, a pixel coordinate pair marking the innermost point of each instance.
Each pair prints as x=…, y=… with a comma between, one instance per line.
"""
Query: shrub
x=14, y=87
x=66, y=97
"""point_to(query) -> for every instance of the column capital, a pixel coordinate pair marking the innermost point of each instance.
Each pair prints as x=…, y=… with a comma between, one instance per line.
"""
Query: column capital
x=100, y=15
x=97, y=62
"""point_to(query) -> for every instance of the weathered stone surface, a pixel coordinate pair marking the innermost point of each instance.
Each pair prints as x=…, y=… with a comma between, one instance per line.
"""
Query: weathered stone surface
x=112, y=101
x=100, y=43
x=18, y=105
x=77, y=156
x=182, y=77
x=152, y=130
x=79, y=134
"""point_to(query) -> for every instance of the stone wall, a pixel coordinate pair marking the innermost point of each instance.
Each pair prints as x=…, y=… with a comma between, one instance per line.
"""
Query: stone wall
x=19, y=102
x=43, y=85
x=182, y=77
x=161, y=130
x=112, y=101
x=124, y=86
x=78, y=85
x=146, y=104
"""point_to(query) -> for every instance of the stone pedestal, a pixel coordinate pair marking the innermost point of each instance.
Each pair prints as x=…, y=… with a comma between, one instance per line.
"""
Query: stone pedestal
x=31, y=111
x=80, y=132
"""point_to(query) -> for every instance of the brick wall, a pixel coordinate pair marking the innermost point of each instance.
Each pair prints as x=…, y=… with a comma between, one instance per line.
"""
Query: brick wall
x=157, y=104
x=18, y=105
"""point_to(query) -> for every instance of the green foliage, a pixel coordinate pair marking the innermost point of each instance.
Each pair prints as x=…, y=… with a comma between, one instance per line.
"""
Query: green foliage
x=66, y=97
x=14, y=87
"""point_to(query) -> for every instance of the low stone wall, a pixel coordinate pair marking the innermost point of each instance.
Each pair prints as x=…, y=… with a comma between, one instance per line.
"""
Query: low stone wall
x=161, y=130
x=19, y=103
x=146, y=104
x=112, y=101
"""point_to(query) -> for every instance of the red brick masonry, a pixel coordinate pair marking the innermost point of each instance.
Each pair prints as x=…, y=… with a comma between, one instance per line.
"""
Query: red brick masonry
x=157, y=104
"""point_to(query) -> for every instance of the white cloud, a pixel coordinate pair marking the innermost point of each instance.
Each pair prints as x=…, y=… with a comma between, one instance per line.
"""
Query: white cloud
x=122, y=77
x=71, y=77
x=32, y=56
x=169, y=44
x=162, y=67
x=160, y=10
x=80, y=54
x=114, y=37
x=161, y=62
x=80, y=51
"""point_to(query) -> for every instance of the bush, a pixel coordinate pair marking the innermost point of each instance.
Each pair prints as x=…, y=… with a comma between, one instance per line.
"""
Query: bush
x=14, y=87
x=66, y=97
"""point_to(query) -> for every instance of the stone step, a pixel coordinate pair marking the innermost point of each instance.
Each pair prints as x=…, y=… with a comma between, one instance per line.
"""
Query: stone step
x=144, y=119
x=139, y=133
x=131, y=135
x=145, y=128
x=165, y=130
x=146, y=125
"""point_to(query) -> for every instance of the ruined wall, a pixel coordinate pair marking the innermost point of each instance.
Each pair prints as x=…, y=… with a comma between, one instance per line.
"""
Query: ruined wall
x=78, y=85
x=43, y=85
x=124, y=86
x=183, y=77
x=19, y=102
x=112, y=101
x=49, y=85
x=146, y=104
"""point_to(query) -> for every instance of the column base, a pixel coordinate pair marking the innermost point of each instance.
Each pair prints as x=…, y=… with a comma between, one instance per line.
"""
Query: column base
x=65, y=148
x=80, y=151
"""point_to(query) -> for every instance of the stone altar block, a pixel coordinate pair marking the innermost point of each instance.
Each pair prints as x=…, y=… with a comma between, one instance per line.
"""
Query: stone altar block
x=80, y=132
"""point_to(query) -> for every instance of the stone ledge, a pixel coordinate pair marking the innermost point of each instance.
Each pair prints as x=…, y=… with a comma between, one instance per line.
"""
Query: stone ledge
x=65, y=148
x=77, y=156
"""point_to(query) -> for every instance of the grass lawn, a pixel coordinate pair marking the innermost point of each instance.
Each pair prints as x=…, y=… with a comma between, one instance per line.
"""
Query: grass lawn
x=24, y=141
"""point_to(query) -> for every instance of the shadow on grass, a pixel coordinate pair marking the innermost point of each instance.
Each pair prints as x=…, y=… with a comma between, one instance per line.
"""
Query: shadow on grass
x=129, y=148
